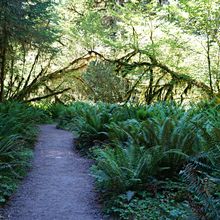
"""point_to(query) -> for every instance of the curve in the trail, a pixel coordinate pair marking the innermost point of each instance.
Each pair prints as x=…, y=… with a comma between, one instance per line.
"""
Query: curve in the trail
x=59, y=186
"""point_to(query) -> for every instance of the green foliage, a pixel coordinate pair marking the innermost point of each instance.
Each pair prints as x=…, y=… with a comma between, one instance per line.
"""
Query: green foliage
x=173, y=133
x=17, y=135
x=28, y=32
x=144, y=206
x=100, y=83
x=138, y=146
x=24, y=20
x=202, y=173
x=164, y=49
x=86, y=120
x=121, y=169
x=55, y=110
x=204, y=187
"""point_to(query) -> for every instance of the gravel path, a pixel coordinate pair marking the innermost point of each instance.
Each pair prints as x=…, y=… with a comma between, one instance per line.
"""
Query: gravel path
x=59, y=186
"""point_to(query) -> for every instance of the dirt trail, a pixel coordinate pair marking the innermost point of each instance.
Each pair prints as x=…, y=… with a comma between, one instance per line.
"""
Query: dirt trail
x=59, y=186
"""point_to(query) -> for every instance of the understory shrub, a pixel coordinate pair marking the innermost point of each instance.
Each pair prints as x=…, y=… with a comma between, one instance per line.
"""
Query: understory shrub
x=17, y=134
x=143, y=205
x=135, y=147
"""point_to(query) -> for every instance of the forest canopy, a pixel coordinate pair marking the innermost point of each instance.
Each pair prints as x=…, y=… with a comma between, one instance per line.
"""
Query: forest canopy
x=136, y=50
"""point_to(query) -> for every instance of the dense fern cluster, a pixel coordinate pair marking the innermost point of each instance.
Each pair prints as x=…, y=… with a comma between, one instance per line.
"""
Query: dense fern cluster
x=17, y=134
x=138, y=146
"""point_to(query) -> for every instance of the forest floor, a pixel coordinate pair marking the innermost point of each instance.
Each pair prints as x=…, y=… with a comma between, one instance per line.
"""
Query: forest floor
x=59, y=186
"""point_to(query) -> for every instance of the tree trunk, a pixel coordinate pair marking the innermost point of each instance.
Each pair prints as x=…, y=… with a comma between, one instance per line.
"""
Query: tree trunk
x=3, y=50
x=2, y=71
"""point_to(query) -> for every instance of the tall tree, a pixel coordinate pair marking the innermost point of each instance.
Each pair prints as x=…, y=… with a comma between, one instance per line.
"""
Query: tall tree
x=25, y=25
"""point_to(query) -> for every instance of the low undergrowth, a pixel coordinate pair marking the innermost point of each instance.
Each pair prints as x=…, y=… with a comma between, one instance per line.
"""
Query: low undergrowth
x=143, y=153
x=18, y=132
